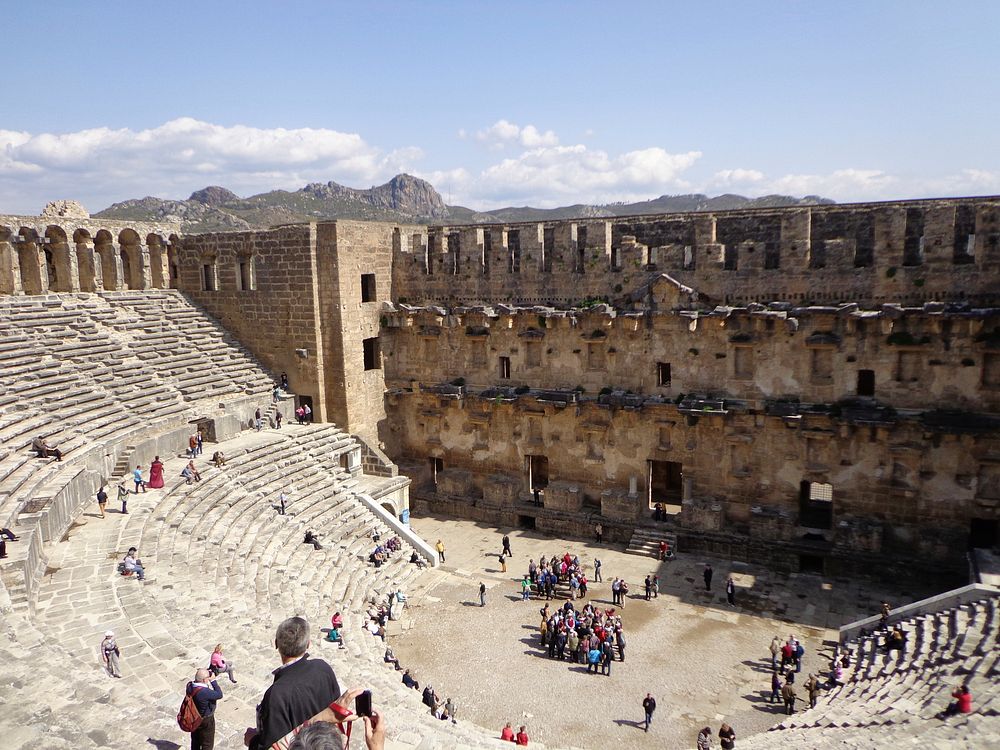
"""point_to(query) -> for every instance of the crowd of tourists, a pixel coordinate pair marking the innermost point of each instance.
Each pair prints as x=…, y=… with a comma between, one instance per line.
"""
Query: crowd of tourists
x=590, y=636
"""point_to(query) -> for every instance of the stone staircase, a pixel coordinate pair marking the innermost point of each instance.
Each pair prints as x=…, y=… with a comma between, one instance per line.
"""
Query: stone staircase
x=646, y=541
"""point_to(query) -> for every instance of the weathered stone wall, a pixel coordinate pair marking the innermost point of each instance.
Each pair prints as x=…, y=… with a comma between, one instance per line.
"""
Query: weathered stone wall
x=902, y=487
x=917, y=357
x=908, y=251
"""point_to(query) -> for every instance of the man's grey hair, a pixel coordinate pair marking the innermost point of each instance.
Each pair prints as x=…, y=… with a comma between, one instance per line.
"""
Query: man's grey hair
x=292, y=637
x=319, y=736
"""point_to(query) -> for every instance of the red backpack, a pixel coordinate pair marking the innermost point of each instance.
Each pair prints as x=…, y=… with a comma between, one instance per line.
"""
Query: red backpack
x=188, y=718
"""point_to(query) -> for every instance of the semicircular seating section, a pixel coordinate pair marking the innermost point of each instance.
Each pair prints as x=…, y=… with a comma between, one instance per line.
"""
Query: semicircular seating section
x=894, y=699
x=97, y=374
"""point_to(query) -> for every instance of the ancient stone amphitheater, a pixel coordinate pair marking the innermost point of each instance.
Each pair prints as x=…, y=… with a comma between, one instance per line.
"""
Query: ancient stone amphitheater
x=117, y=342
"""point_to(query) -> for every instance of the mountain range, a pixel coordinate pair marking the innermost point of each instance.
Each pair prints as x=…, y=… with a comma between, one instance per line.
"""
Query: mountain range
x=403, y=199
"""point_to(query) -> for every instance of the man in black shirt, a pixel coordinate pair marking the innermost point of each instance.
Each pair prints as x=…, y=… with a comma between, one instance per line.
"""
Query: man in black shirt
x=302, y=687
x=649, y=705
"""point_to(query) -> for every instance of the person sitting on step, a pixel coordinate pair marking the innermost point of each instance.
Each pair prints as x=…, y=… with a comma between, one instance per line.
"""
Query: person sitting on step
x=44, y=450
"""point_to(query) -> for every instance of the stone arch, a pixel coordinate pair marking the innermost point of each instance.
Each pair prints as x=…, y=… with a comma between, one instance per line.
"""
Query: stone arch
x=34, y=276
x=173, y=262
x=10, y=269
x=130, y=251
x=389, y=507
x=60, y=262
x=88, y=265
x=158, y=276
x=106, y=251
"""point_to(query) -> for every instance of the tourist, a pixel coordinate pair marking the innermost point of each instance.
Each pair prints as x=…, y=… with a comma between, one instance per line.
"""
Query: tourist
x=430, y=699
x=257, y=421
x=620, y=642
x=284, y=382
x=312, y=538
x=649, y=588
x=836, y=674
x=307, y=413
x=205, y=695
x=192, y=449
x=193, y=471
x=812, y=688
x=199, y=443
x=962, y=703
x=775, y=649
x=482, y=594
x=622, y=592
x=789, y=696
x=44, y=450
x=5, y=532
x=503, y=563
x=775, y=686
x=277, y=419
x=219, y=459
x=409, y=681
x=325, y=735
x=705, y=739
x=302, y=688
x=187, y=474
x=884, y=615
x=275, y=394
x=895, y=640
x=522, y=737
x=797, y=652
x=300, y=415
x=156, y=474
x=102, y=500
x=390, y=658
x=656, y=586
x=616, y=591
x=599, y=533
x=218, y=665
x=707, y=575
x=440, y=550
x=597, y=569
x=137, y=478
x=663, y=550
x=787, y=654
x=658, y=514
x=593, y=658
x=727, y=737
x=731, y=592
x=123, y=497
x=110, y=653
x=648, y=706
x=133, y=564
x=449, y=712
x=506, y=546
x=282, y=503
x=507, y=733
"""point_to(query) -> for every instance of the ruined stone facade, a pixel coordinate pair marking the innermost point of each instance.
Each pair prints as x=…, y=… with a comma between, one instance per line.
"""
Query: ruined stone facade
x=814, y=388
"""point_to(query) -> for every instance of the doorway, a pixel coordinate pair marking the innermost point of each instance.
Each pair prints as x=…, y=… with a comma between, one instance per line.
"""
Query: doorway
x=816, y=505
x=436, y=467
x=666, y=482
x=983, y=533
x=866, y=383
x=538, y=472
x=811, y=564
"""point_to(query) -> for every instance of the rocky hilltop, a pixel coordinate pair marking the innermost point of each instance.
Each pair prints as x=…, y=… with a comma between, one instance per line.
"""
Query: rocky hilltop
x=404, y=198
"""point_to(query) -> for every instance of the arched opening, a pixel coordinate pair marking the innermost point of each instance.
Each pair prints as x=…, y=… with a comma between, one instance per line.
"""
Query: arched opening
x=157, y=259
x=32, y=265
x=390, y=509
x=104, y=248
x=59, y=262
x=131, y=257
x=87, y=267
x=173, y=267
x=9, y=275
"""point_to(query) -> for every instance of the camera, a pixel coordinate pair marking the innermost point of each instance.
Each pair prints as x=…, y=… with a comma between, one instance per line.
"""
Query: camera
x=363, y=704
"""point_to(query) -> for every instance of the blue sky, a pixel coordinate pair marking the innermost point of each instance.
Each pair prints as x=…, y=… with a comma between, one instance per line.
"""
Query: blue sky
x=541, y=103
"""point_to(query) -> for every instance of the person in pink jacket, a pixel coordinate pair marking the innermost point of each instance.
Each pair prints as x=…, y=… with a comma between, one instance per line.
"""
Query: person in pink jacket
x=218, y=664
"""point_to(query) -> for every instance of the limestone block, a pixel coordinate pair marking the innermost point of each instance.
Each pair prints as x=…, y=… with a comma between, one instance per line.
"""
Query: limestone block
x=455, y=482
x=501, y=490
x=563, y=496
x=619, y=505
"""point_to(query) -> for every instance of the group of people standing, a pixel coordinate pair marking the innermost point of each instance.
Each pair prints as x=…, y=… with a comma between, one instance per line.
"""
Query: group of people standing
x=590, y=636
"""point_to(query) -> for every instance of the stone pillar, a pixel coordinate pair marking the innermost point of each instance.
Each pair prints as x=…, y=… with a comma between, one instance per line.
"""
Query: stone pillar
x=633, y=486
x=144, y=274
x=688, y=489
x=471, y=242
x=10, y=269
x=564, y=252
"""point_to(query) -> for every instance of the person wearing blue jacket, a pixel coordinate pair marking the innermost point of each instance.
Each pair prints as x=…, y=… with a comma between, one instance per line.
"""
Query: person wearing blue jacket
x=205, y=693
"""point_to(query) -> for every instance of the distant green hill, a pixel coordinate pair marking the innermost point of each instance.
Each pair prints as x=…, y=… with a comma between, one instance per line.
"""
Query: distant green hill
x=404, y=199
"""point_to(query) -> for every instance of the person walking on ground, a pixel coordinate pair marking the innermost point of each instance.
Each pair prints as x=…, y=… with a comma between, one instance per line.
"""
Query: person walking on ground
x=503, y=563
x=192, y=450
x=727, y=737
x=707, y=575
x=620, y=641
x=705, y=739
x=205, y=693
x=277, y=420
x=102, y=500
x=308, y=413
x=506, y=546
x=525, y=589
x=775, y=687
x=597, y=569
x=257, y=422
x=440, y=550
x=137, y=478
x=789, y=696
x=812, y=687
x=482, y=594
x=218, y=664
x=648, y=706
x=123, y=497
x=775, y=651
x=199, y=443
x=731, y=591
x=599, y=533
x=110, y=654
x=615, y=591
x=282, y=503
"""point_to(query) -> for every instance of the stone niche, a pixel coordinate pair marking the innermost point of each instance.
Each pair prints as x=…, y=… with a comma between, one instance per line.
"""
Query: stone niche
x=701, y=515
x=619, y=505
x=501, y=490
x=456, y=482
x=563, y=496
x=859, y=535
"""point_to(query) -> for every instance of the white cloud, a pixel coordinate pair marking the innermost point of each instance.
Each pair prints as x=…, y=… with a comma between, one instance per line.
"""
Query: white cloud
x=101, y=165
x=503, y=132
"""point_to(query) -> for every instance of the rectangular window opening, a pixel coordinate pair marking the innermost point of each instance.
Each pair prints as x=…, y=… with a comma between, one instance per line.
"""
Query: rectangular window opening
x=208, y=277
x=866, y=383
x=666, y=483
x=504, y=368
x=368, y=287
x=373, y=355
x=816, y=505
x=663, y=374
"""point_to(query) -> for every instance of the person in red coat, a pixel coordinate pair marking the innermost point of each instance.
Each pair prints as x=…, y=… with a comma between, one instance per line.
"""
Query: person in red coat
x=507, y=733
x=522, y=737
x=962, y=704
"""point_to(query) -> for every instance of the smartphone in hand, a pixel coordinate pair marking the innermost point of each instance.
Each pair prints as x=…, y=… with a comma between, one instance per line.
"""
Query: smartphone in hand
x=363, y=704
